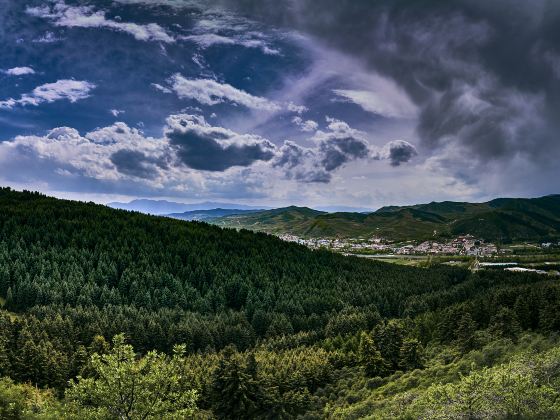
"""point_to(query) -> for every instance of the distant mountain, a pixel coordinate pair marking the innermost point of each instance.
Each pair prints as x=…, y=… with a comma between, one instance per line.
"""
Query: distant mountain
x=344, y=209
x=206, y=215
x=287, y=219
x=504, y=219
x=163, y=207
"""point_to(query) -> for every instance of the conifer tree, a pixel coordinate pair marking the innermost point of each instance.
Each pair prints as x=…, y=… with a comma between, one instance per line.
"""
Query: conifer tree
x=231, y=387
x=410, y=354
x=370, y=357
x=465, y=333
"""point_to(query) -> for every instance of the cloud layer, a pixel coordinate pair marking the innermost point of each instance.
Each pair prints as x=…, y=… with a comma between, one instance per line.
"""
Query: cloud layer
x=189, y=146
x=485, y=82
x=228, y=103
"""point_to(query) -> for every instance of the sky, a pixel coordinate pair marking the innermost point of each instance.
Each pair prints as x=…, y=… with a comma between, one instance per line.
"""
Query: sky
x=285, y=102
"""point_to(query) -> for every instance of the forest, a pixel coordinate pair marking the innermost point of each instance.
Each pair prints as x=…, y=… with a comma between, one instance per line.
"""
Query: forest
x=109, y=314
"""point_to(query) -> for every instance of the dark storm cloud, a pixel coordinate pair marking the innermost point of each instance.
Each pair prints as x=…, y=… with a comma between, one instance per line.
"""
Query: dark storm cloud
x=135, y=163
x=484, y=74
x=399, y=152
x=337, y=151
x=200, y=146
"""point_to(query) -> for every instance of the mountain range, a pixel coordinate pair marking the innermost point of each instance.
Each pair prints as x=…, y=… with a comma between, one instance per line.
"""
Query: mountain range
x=207, y=215
x=502, y=219
x=164, y=207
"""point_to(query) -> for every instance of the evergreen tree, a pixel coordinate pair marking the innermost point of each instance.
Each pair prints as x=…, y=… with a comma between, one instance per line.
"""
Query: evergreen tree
x=370, y=357
x=465, y=333
x=505, y=324
x=232, y=387
x=410, y=354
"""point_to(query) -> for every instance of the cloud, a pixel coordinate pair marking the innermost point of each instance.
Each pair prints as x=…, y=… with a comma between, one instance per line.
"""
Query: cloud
x=201, y=146
x=307, y=126
x=48, y=38
x=484, y=84
x=340, y=144
x=86, y=17
x=210, y=92
x=378, y=104
x=301, y=163
x=298, y=109
x=207, y=40
x=19, y=71
x=333, y=149
x=107, y=154
x=116, y=112
x=161, y=88
x=398, y=152
x=71, y=90
x=135, y=163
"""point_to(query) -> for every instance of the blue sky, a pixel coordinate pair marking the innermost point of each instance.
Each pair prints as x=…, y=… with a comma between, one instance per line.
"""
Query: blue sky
x=191, y=101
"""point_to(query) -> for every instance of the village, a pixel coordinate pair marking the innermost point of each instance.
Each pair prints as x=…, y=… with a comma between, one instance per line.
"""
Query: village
x=466, y=245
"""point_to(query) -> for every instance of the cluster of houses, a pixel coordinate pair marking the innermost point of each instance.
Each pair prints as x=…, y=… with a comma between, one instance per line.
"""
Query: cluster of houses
x=360, y=244
x=462, y=245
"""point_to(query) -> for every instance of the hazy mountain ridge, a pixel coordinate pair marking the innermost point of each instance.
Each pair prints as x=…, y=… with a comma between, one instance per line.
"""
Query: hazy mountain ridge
x=206, y=215
x=164, y=207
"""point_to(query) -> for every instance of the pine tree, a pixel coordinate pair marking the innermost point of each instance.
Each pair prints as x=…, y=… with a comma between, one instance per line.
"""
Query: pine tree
x=505, y=324
x=231, y=387
x=465, y=333
x=370, y=357
x=10, y=304
x=410, y=354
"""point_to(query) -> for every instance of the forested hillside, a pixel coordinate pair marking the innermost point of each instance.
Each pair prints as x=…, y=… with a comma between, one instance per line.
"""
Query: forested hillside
x=114, y=314
x=497, y=220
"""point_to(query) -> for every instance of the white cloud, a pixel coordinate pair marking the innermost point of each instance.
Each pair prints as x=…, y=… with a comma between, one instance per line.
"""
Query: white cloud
x=47, y=38
x=86, y=17
x=116, y=112
x=210, y=92
x=64, y=150
x=71, y=90
x=307, y=126
x=388, y=105
x=161, y=88
x=298, y=109
x=207, y=40
x=19, y=71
